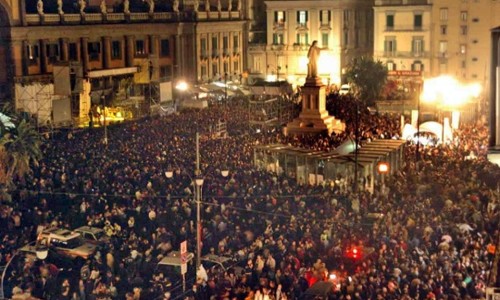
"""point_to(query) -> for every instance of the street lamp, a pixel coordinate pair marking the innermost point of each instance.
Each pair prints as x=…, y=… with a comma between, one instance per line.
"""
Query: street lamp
x=198, y=183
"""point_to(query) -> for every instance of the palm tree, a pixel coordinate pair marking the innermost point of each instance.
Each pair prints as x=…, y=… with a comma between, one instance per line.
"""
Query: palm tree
x=19, y=148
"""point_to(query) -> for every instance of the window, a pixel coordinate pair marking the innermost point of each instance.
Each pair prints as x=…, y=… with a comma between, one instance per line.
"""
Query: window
x=324, y=39
x=33, y=53
x=277, y=38
x=52, y=52
x=226, y=69
x=73, y=51
x=346, y=17
x=302, y=17
x=204, y=72
x=165, y=47
x=444, y=29
x=166, y=72
x=443, y=48
x=443, y=67
x=417, y=21
x=279, y=17
x=116, y=50
x=215, y=69
x=417, y=46
x=463, y=30
x=463, y=49
x=324, y=17
x=94, y=50
x=474, y=59
x=389, y=22
x=417, y=66
x=443, y=14
x=302, y=39
x=139, y=48
x=236, y=66
x=463, y=16
x=475, y=20
x=346, y=37
x=390, y=45
x=215, y=46
x=236, y=41
x=391, y=66
x=464, y=64
x=225, y=45
x=203, y=47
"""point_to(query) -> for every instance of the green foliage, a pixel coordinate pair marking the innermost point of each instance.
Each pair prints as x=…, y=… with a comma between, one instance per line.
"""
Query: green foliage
x=367, y=78
x=19, y=147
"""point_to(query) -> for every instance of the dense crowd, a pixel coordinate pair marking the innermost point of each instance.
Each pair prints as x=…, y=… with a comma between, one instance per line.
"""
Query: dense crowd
x=435, y=239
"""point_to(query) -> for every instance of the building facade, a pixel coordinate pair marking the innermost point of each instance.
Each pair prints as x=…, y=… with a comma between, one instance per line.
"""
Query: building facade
x=343, y=31
x=402, y=34
x=69, y=59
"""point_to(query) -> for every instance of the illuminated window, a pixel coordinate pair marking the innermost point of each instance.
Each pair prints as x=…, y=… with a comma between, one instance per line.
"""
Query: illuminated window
x=443, y=14
x=463, y=16
x=302, y=17
x=279, y=17
x=325, y=17
x=463, y=49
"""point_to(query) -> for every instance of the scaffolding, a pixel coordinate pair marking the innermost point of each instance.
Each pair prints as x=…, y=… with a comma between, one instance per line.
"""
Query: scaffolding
x=268, y=111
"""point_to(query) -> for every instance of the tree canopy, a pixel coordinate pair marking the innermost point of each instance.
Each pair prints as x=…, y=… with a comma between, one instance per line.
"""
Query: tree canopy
x=367, y=78
x=19, y=147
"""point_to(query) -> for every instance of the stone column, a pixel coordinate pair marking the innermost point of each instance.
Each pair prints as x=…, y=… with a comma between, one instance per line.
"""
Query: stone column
x=129, y=50
x=106, y=54
x=43, y=56
x=85, y=54
x=64, y=49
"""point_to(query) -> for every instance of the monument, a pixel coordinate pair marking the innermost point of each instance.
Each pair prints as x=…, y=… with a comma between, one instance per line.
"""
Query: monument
x=314, y=118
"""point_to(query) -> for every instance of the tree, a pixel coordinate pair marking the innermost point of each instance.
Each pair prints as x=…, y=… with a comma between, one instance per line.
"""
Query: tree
x=19, y=149
x=367, y=78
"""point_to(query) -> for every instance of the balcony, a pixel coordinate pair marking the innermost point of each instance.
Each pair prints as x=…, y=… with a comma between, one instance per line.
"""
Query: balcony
x=405, y=28
x=401, y=2
x=403, y=54
x=279, y=26
x=302, y=26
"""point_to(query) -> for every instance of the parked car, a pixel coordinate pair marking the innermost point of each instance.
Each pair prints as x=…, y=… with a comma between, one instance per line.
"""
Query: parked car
x=64, y=242
x=93, y=235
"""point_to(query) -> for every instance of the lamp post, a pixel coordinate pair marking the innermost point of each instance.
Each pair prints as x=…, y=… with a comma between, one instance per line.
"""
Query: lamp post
x=198, y=183
x=382, y=169
x=225, y=87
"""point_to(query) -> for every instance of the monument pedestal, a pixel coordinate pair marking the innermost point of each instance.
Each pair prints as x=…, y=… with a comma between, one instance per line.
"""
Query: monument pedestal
x=314, y=118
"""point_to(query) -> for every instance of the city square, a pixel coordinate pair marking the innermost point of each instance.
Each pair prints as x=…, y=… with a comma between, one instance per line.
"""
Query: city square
x=249, y=150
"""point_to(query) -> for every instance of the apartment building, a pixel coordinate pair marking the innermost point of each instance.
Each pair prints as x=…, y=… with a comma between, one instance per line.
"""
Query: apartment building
x=65, y=60
x=343, y=30
x=462, y=34
x=403, y=35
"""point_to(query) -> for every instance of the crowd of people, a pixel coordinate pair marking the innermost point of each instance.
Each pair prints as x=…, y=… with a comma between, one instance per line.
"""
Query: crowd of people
x=435, y=236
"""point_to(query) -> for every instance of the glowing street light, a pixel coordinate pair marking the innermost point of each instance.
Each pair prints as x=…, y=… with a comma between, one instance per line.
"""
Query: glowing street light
x=182, y=86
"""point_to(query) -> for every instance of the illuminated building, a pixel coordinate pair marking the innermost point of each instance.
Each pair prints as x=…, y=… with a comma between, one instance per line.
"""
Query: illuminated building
x=342, y=28
x=65, y=60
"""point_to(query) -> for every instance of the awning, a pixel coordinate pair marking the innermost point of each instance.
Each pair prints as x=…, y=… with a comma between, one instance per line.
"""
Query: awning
x=112, y=72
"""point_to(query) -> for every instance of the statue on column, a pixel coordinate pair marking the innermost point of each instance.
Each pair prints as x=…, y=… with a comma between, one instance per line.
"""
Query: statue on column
x=39, y=7
x=60, y=7
x=83, y=4
x=104, y=9
x=219, y=6
x=207, y=5
x=313, y=56
x=230, y=5
x=126, y=6
x=238, y=6
x=196, y=5
x=151, y=4
x=175, y=6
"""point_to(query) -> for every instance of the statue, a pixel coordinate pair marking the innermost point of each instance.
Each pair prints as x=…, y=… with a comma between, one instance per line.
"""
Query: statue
x=207, y=5
x=60, y=7
x=151, y=4
x=219, y=6
x=313, y=56
x=238, y=5
x=230, y=5
x=196, y=5
x=175, y=6
x=104, y=9
x=39, y=7
x=126, y=6
x=83, y=4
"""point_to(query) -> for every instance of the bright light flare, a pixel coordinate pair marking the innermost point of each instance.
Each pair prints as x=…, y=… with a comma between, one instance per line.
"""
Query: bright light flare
x=182, y=86
x=449, y=91
x=302, y=67
x=271, y=77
